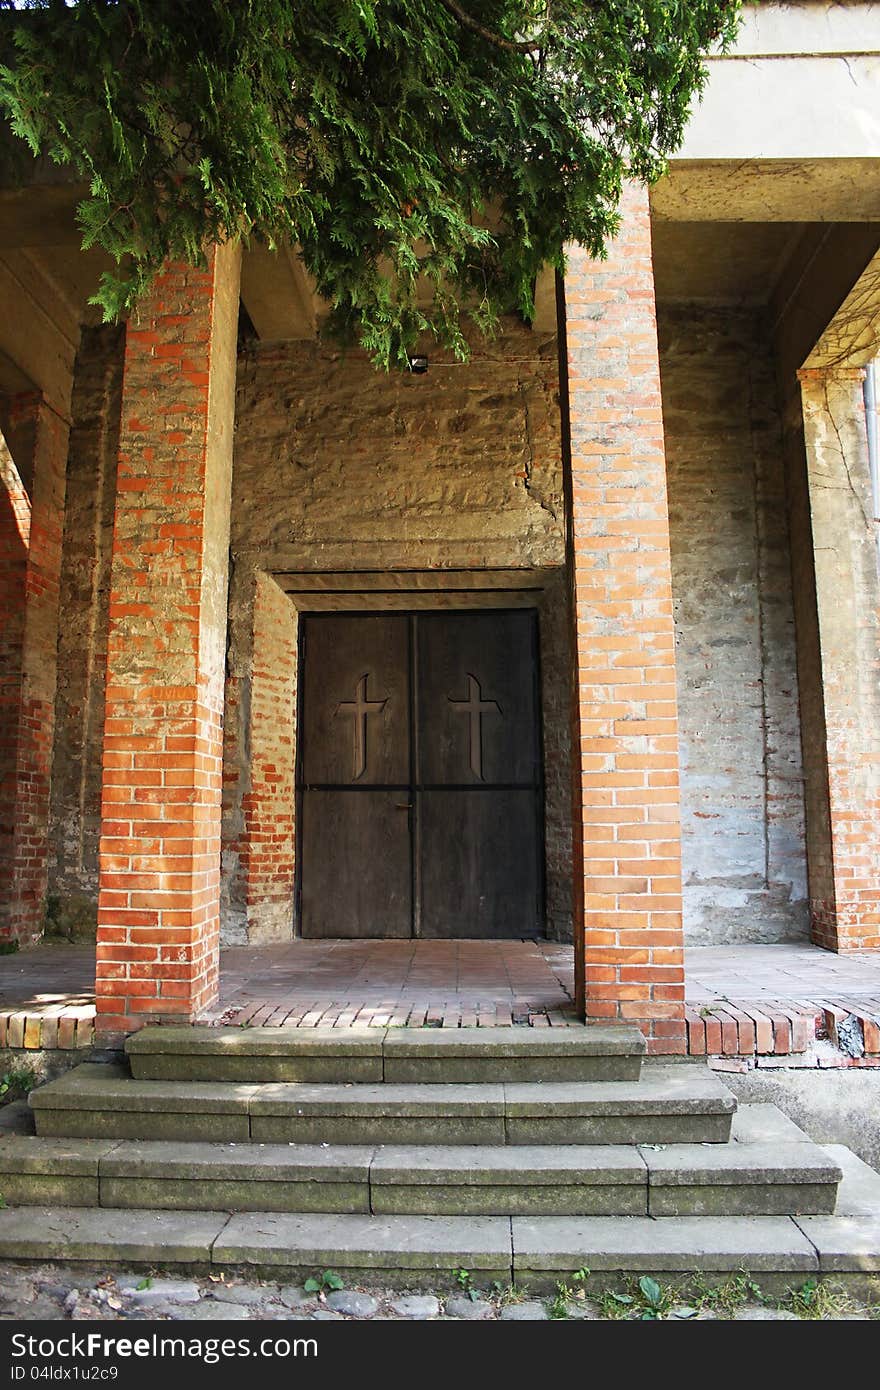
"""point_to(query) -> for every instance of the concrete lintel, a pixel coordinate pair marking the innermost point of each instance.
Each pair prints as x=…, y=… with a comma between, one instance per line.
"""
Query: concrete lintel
x=756, y=188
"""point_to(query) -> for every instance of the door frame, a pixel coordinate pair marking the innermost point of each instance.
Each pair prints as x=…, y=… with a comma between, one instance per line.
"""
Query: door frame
x=412, y=603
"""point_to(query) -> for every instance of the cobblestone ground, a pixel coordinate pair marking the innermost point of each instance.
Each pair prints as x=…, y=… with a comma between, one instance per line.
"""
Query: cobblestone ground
x=55, y=1293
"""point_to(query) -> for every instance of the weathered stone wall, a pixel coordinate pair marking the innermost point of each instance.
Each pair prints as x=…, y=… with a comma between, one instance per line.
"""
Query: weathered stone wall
x=742, y=783
x=259, y=792
x=338, y=468
x=848, y=610
x=75, y=825
x=31, y=522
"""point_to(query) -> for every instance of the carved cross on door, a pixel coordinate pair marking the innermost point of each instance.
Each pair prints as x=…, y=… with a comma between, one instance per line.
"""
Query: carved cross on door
x=475, y=707
x=360, y=708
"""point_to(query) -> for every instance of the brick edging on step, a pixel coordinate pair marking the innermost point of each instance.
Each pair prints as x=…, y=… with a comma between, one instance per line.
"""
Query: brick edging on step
x=62, y=1027
x=729, y=1031
x=738, y=1029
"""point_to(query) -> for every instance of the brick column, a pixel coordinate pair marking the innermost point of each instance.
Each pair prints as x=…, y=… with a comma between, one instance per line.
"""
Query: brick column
x=33, y=458
x=158, y=910
x=842, y=738
x=628, y=929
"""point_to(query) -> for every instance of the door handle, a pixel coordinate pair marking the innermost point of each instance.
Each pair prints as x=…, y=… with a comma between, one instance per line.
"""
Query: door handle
x=403, y=806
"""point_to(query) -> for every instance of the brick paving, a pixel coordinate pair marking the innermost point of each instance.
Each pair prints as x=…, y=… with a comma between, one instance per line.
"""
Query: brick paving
x=743, y=1002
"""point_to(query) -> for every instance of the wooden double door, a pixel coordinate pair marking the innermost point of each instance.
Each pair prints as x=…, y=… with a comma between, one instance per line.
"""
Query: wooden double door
x=419, y=775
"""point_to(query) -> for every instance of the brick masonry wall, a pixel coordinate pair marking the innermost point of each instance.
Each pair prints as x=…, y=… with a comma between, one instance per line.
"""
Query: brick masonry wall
x=627, y=861
x=744, y=861
x=75, y=826
x=31, y=519
x=158, y=914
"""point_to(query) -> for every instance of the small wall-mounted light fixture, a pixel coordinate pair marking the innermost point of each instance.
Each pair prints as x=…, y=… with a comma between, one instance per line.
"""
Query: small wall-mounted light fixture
x=418, y=365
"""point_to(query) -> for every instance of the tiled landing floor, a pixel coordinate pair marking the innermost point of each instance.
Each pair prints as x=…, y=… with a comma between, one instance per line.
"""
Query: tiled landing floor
x=454, y=982
x=732, y=992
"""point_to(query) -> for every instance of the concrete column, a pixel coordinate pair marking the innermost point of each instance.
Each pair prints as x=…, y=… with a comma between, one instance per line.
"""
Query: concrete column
x=627, y=853
x=33, y=457
x=842, y=726
x=158, y=909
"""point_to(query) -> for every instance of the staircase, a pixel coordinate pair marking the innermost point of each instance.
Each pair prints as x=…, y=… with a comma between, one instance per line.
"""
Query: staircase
x=397, y=1156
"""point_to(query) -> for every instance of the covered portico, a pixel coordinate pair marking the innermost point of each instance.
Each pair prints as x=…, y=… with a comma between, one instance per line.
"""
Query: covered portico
x=687, y=517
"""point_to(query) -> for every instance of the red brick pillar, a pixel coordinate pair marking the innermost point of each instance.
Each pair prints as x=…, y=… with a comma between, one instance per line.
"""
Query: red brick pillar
x=158, y=910
x=628, y=929
x=842, y=723
x=33, y=460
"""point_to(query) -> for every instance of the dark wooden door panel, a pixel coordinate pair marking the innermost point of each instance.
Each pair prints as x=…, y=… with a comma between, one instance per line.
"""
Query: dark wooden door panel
x=356, y=718
x=476, y=699
x=357, y=879
x=478, y=864
x=434, y=829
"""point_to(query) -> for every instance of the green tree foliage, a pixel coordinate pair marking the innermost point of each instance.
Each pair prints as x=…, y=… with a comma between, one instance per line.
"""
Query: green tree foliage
x=451, y=146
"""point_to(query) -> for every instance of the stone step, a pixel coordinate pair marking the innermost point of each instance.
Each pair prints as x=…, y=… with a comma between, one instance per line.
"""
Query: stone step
x=672, y=1104
x=516, y=1180
x=590, y=1052
x=741, y=1180
x=426, y=1251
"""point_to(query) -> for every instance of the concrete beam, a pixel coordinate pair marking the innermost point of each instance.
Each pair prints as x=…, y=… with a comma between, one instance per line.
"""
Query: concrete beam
x=757, y=189
x=277, y=294
x=826, y=301
x=44, y=216
x=852, y=338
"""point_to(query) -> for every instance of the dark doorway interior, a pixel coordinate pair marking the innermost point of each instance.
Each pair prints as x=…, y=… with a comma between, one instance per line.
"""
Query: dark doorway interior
x=419, y=775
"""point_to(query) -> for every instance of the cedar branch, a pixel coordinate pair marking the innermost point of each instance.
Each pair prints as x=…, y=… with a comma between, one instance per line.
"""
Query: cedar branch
x=489, y=35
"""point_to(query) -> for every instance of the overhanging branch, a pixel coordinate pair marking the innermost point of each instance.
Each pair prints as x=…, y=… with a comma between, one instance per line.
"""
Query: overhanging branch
x=527, y=46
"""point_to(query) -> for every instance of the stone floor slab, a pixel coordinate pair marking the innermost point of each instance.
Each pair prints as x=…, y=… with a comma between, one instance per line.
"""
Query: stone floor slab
x=684, y=1244
x=97, y=1085
x=684, y=1165
x=859, y=1190
x=536, y=1165
x=389, y=1100
x=366, y=1243
x=142, y=1237
x=266, y=1162
x=661, y=1090
x=30, y=1154
x=844, y=1244
x=759, y=1123
x=255, y=1042
x=591, y=1040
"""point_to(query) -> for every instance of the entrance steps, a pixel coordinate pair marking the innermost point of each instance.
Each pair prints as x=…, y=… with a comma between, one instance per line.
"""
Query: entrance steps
x=403, y=1155
x=404, y=1055
x=672, y=1105
x=526, y=1180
